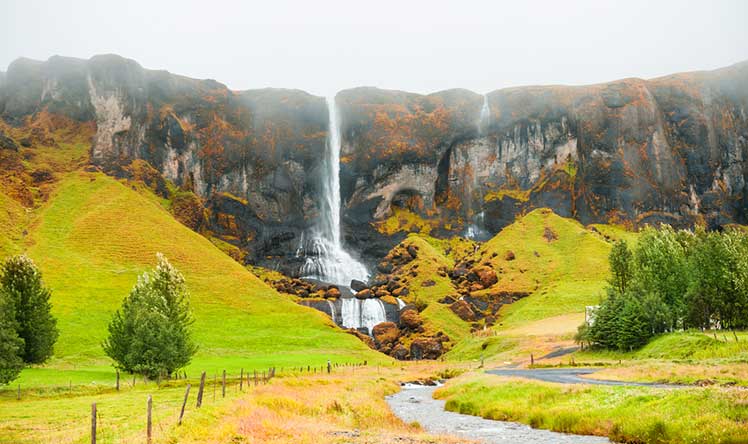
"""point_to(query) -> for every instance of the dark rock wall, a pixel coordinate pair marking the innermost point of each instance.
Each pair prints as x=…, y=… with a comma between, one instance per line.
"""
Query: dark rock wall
x=672, y=149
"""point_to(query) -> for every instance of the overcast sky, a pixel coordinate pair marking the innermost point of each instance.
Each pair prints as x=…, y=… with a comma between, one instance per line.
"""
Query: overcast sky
x=422, y=46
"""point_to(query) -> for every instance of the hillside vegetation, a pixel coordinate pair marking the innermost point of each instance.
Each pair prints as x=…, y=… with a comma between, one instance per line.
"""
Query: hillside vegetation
x=96, y=235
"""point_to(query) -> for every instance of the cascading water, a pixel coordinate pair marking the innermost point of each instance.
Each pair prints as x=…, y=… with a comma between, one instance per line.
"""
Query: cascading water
x=475, y=230
x=485, y=113
x=326, y=260
x=322, y=247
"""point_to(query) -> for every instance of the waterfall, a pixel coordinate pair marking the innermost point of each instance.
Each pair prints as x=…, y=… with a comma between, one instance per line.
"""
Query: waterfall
x=485, y=114
x=332, y=311
x=357, y=313
x=322, y=248
x=400, y=303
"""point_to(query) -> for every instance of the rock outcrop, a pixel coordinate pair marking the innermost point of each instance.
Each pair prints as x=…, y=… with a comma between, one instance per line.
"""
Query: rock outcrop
x=672, y=149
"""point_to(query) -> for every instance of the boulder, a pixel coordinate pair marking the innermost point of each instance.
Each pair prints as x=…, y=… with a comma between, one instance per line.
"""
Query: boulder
x=357, y=285
x=462, y=309
x=448, y=300
x=428, y=283
x=410, y=319
x=385, y=267
x=413, y=251
x=549, y=234
x=332, y=293
x=400, y=352
x=509, y=255
x=426, y=348
x=485, y=275
x=382, y=293
x=385, y=333
x=401, y=291
x=365, y=294
x=6, y=143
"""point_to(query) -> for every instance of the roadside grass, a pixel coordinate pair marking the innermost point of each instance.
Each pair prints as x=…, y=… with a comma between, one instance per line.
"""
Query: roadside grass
x=624, y=414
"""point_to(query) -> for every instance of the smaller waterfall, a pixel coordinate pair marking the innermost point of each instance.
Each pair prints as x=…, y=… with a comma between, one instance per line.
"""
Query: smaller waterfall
x=485, y=115
x=365, y=313
x=475, y=230
x=400, y=303
x=332, y=311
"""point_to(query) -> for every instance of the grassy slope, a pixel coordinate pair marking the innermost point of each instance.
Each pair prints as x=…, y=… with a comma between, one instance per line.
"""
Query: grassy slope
x=12, y=220
x=96, y=235
x=564, y=276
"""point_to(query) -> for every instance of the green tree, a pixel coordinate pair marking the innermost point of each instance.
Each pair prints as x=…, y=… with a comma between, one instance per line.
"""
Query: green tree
x=30, y=310
x=631, y=325
x=621, y=269
x=150, y=334
x=661, y=267
x=604, y=330
x=11, y=346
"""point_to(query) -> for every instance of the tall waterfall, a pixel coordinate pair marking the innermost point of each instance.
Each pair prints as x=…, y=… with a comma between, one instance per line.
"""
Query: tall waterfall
x=325, y=258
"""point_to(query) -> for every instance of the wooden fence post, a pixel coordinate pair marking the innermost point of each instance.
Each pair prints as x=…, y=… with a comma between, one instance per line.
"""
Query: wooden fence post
x=241, y=380
x=532, y=359
x=149, y=422
x=200, y=390
x=255, y=378
x=223, y=385
x=215, y=383
x=117, y=380
x=93, y=423
x=184, y=403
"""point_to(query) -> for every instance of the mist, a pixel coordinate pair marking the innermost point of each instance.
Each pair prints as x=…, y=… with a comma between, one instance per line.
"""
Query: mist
x=419, y=46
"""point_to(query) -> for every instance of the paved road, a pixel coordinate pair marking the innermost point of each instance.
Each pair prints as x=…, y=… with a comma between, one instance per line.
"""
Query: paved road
x=570, y=376
x=415, y=403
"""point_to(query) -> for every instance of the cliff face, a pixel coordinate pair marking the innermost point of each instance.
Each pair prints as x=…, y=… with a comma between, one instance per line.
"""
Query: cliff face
x=673, y=149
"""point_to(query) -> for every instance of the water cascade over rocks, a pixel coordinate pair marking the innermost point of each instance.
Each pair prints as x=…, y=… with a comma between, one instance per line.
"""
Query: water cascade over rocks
x=475, y=230
x=325, y=259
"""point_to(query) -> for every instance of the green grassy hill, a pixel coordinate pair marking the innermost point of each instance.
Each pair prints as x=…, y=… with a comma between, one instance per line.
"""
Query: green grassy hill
x=95, y=235
x=563, y=264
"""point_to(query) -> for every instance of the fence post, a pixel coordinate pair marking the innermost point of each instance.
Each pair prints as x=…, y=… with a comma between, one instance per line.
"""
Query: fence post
x=223, y=385
x=200, y=390
x=149, y=427
x=532, y=359
x=18, y=397
x=255, y=378
x=184, y=403
x=241, y=380
x=215, y=383
x=93, y=423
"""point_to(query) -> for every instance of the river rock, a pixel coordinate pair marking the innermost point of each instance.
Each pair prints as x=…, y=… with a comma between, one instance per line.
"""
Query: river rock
x=462, y=309
x=399, y=352
x=484, y=275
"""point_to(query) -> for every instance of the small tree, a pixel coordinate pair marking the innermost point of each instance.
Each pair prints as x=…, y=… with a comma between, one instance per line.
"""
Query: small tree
x=633, y=331
x=11, y=346
x=29, y=308
x=150, y=334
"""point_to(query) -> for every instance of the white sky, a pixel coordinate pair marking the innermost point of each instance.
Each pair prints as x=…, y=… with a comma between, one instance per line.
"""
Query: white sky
x=421, y=46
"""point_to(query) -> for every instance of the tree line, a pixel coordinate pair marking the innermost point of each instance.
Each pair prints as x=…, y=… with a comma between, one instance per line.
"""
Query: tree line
x=150, y=334
x=671, y=280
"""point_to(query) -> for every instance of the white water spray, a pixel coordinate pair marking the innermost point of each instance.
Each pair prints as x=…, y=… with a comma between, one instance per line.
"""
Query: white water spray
x=326, y=260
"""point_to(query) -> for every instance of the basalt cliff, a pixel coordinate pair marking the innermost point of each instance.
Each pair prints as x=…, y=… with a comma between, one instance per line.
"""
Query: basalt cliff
x=672, y=149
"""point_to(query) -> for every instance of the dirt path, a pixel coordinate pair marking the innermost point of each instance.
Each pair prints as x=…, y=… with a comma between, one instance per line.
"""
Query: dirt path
x=414, y=403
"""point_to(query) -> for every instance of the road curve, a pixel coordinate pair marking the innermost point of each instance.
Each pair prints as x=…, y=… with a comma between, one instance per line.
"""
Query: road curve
x=570, y=376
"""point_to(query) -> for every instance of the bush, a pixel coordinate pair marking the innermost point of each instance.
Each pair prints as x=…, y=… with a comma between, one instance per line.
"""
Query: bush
x=150, y=334
x=11, y=346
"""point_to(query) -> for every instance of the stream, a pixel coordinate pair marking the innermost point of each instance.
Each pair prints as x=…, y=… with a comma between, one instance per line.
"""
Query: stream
x=415, y=403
